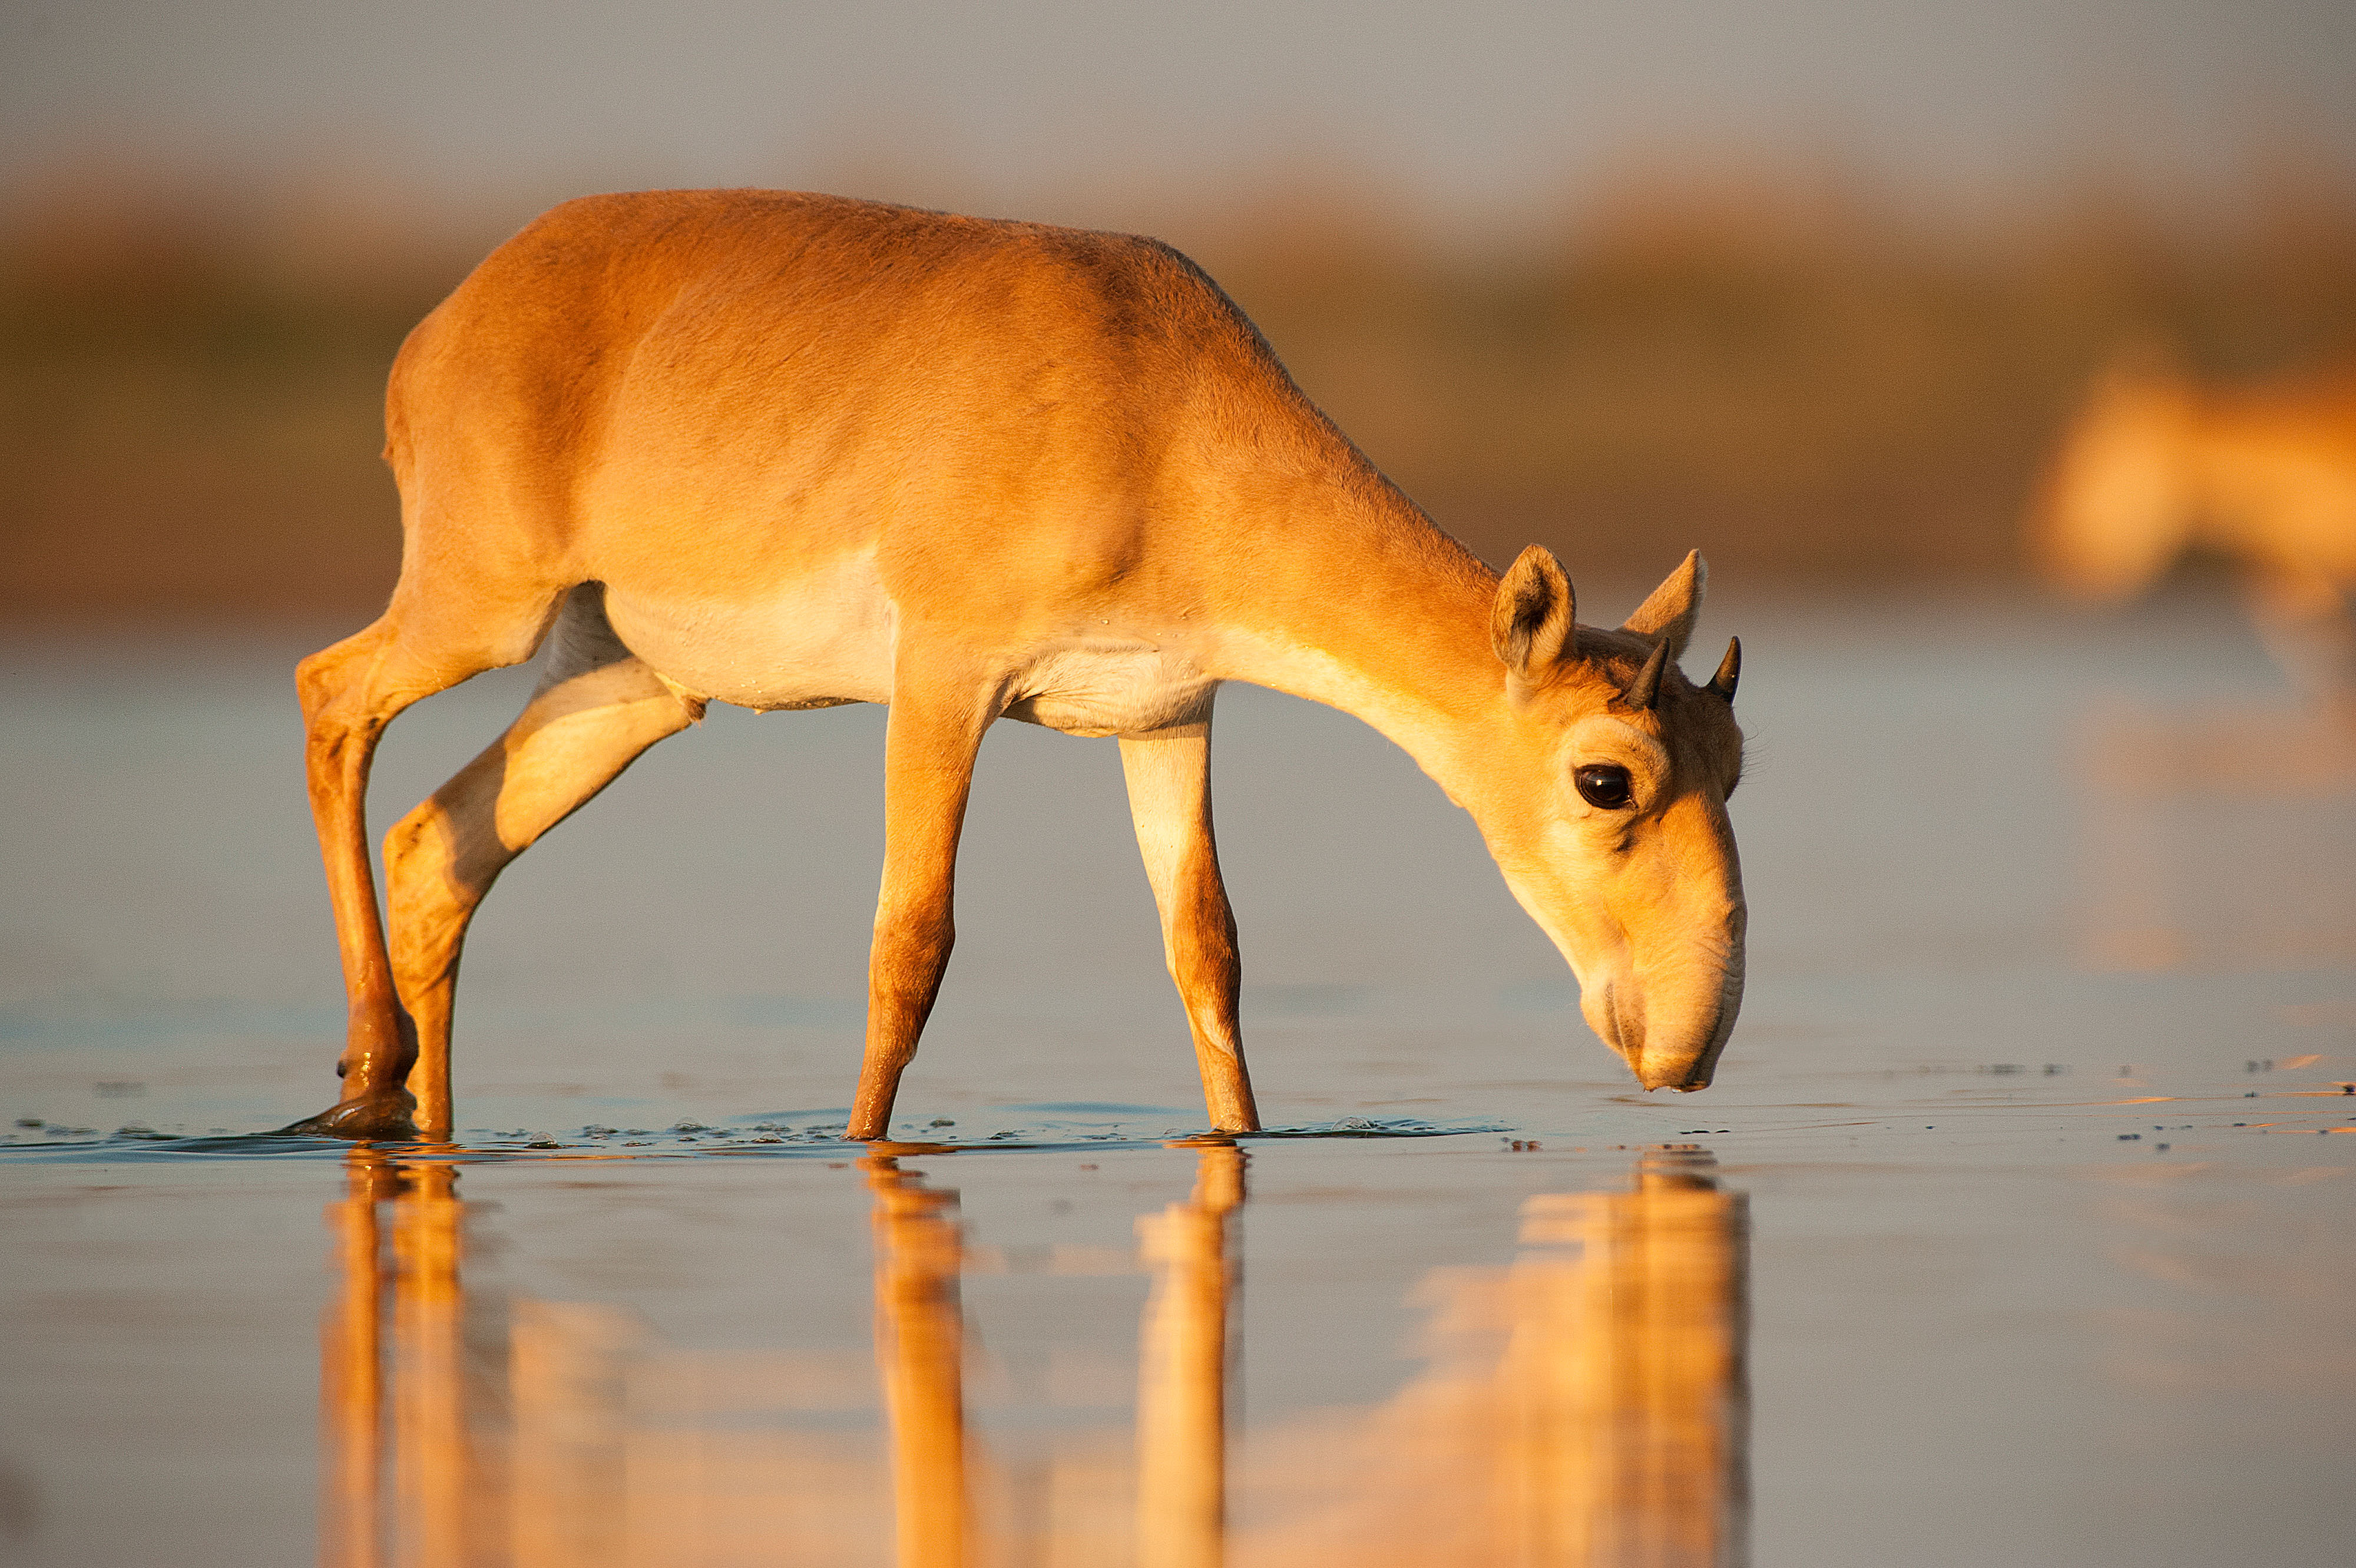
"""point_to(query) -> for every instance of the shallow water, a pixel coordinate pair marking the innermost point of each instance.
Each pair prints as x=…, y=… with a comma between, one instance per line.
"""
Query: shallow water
x=2015, y=1228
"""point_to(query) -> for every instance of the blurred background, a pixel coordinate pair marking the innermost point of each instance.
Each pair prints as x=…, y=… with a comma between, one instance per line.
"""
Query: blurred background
x=1810, y=284
x=1813, y=284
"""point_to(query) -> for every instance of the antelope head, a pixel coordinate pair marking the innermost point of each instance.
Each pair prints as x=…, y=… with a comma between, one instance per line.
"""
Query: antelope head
x=1610, y=820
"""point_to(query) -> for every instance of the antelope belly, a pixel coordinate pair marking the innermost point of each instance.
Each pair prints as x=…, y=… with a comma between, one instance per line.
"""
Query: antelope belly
x=1110, y=689
x=824, y=639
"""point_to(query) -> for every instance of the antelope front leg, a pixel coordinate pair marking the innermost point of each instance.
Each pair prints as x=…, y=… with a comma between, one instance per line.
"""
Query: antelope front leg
x=1169, y=774
x=928, y=751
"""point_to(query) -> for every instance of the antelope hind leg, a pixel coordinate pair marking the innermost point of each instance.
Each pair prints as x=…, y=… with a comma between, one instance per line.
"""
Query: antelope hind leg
x=440, y=631
x=1169, y=774
x=597, y=710
x=930, y=742
x=349, y=693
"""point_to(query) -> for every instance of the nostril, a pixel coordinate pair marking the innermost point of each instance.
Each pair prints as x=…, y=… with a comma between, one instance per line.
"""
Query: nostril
x=1605, y=1020
x=1627, y=1033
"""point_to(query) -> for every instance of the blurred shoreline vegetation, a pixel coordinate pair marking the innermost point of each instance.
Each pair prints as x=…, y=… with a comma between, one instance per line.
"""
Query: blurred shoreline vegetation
x=1789, y=368
x=192, y=381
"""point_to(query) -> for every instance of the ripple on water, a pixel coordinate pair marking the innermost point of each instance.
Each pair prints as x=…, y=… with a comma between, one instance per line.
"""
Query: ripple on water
x=1091, y=1127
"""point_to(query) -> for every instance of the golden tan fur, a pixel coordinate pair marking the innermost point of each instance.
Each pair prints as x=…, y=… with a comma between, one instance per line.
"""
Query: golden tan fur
x=2263, y=474
x=788, y=450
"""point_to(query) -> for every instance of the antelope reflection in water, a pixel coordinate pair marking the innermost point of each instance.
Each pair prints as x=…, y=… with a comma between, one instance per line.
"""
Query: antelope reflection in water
x=430, y=1451
x=920, y=1356
x=1586, y=1407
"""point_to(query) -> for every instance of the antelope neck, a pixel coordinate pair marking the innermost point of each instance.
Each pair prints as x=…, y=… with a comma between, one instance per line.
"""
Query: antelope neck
x=1377, y=613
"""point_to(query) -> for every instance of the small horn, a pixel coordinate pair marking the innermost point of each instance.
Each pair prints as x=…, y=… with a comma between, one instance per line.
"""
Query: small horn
x=1729, y=670
x=1647, y=688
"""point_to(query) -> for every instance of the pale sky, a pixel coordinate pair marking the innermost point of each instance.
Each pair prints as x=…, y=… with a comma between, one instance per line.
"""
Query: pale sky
x=1482, y=102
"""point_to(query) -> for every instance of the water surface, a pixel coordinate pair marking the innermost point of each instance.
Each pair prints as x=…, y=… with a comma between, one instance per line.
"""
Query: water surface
x=2014, y=1229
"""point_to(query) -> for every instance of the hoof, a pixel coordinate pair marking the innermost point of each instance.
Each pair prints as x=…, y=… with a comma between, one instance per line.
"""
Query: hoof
x=386, y=1118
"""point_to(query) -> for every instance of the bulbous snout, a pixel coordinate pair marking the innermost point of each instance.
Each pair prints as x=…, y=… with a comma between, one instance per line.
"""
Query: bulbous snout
x=1667, y=1042
x=1654, y=932
x=1670, y=1021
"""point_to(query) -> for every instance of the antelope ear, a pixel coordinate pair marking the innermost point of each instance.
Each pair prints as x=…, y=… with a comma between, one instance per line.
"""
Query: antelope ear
x=1669, y=614
x=1530, y=624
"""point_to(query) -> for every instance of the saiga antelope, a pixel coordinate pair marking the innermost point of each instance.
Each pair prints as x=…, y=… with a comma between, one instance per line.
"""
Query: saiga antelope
x=789, y=451
x=2263, y=474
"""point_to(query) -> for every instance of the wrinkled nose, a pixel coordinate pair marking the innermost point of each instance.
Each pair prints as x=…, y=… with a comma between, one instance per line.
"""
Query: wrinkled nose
x=1667, y=1047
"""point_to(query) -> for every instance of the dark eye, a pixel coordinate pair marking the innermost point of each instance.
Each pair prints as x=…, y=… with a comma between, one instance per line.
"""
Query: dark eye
x=1603, y=785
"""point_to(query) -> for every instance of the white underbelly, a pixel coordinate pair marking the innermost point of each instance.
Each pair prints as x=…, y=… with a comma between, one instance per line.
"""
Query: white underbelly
x=824, y=639
x=1110, y=687
x=829, y=638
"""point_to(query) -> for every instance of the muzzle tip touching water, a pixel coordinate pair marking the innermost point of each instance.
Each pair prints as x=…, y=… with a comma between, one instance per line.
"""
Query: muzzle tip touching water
x=1661, y=1064
x=1686, y=1078
x=1668, y=1056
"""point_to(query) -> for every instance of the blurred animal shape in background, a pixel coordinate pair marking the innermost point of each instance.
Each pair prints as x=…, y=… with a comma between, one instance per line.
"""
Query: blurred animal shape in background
x=789, y=451
x=2263, y=473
